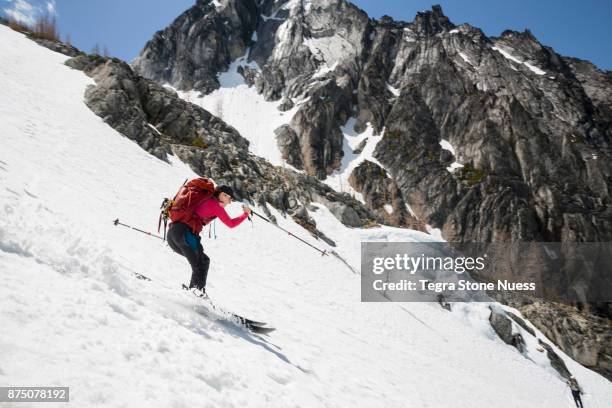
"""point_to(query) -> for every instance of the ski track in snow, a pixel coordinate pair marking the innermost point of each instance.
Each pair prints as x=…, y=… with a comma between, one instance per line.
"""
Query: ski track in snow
x=72, y=313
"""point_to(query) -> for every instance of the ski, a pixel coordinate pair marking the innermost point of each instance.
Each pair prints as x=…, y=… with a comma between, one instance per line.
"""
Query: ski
x=251, y=325
x=140, y=276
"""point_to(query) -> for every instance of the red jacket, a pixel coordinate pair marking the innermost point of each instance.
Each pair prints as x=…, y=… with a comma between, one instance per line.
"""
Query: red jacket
x=211, y=209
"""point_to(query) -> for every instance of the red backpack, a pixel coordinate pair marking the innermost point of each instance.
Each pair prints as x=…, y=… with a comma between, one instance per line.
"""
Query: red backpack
x=182, y=207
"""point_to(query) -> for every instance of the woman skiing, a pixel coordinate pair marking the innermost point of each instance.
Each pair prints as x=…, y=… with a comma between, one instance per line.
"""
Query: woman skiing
x=193, y=208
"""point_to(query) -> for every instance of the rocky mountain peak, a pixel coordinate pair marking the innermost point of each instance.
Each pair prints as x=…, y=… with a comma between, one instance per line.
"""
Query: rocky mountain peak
x=432, y=22
x=206, y=38
x=206, y=5
x=520, y=40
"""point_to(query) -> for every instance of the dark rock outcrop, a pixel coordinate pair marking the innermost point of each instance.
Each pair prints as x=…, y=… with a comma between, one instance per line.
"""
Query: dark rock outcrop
x=59, y=46
x=381, y=193
x=521, y=323
x=555, y=361
x=502, y=325
x=146, y=112
x=201, y=42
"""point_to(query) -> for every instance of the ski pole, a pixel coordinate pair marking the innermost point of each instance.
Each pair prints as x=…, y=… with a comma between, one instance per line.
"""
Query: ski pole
x=323, y=252
x=116, y=222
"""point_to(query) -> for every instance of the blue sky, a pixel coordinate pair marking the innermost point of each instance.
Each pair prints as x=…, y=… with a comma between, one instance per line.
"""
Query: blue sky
x=579, y=29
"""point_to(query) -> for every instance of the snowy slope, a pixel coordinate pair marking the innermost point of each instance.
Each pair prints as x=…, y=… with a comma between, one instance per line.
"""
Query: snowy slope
x=73, y=315
x=242, y=107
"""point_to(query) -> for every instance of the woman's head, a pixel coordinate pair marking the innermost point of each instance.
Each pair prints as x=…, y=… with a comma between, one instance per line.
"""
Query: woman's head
x=224, y=194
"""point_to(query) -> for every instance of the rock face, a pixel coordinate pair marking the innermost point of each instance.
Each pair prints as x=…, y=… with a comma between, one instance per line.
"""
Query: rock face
x=503, y=327
x=148, y=113
x=203, y=41
x=531, y=165
x=587, y=339
x=162, y=123
x=555, y=361
x=381, y=193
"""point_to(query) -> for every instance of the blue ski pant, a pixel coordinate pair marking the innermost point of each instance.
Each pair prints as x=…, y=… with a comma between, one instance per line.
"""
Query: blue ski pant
x=184, y=242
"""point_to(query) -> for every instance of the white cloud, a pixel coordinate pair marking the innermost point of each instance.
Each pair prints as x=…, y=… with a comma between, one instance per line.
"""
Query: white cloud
x=51, y=8
x=21, y=11
x=23, y=5
x=26, y=13
x=13, y=14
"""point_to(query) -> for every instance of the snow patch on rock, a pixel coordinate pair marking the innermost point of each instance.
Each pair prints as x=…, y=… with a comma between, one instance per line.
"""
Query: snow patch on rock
x=445, y=144
x=512, y=58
